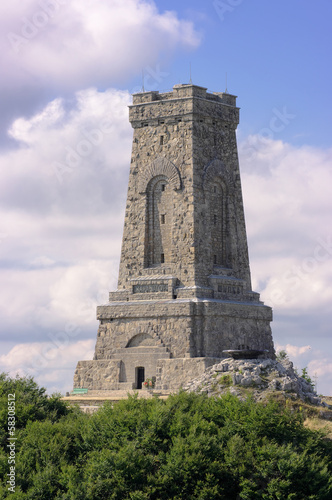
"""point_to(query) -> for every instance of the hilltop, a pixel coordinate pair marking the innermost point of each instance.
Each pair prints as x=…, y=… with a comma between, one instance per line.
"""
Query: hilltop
x=261, y=379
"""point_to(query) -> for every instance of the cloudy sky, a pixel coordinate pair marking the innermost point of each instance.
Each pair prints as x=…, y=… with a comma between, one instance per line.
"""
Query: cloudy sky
x=69, y=68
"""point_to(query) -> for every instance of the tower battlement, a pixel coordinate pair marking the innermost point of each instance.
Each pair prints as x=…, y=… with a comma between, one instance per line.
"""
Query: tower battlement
x=185, y=102
x=184, y=287
x=182, y=91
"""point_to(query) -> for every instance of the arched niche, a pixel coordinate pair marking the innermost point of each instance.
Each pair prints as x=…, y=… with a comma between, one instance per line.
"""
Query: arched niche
x=216, y=182
x=141, y=339
x=159, y=221
x=163, y=167
x=216, y=196
x=216, y=168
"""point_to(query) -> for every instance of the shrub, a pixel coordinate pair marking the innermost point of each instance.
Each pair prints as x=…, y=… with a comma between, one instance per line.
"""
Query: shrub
x=226, y=380
x=189, y=446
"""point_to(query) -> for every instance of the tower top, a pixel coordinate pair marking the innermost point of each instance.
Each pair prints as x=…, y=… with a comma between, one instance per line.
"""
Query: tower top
x=182, y=91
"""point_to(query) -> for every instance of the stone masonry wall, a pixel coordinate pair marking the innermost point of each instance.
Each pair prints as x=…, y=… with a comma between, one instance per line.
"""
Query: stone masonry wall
x=174, y=332
x=185, y=328
x=175, y=373
x=177, y=148
x=97, y=375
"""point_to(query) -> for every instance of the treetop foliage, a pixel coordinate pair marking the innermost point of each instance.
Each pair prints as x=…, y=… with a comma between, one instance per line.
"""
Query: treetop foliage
x=186, y=447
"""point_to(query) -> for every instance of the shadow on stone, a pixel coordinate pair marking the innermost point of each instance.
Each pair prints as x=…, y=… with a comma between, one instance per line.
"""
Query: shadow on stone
x=245, y=353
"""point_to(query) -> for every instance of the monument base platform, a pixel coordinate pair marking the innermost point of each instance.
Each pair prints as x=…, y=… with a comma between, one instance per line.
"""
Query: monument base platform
x=170, y=342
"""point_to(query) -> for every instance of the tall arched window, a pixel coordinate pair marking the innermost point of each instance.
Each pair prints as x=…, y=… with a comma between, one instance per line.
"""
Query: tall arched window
x=218, y=219
x=158, y=234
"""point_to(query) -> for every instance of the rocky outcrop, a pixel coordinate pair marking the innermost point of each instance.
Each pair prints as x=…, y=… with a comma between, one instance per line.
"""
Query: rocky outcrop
x=257, y=377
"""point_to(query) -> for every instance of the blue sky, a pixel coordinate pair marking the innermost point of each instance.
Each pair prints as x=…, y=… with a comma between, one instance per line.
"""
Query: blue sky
x=69, y=65
x=274, y=53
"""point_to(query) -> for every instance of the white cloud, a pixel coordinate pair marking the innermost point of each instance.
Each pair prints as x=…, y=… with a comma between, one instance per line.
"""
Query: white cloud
x=320, y=371
x=293, y=351
x=318, y=366
x=323, y=368
x=51, y=363
x=28, y=131
x=288, y=205
x=63, y=221
x=287, y=199
x=68, y=160
x=80, y=43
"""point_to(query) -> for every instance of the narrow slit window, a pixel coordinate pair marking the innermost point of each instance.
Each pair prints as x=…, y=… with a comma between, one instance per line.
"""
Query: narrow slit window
x=162, y=258
x=162, y=219
x=161, y=140
x=163, y=187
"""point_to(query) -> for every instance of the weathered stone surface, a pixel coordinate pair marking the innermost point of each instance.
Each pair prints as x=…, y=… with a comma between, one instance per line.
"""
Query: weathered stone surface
x=103, y=374
x=174, y=373
x=184, y=285
x=262, y=376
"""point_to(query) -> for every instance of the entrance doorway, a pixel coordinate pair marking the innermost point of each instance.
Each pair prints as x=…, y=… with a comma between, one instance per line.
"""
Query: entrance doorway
x=140, y=377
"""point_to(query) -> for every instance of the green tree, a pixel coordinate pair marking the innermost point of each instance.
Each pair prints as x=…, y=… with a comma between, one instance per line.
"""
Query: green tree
x=31, y=401
x=306, y=377
x=281, y=355
x=187, y=447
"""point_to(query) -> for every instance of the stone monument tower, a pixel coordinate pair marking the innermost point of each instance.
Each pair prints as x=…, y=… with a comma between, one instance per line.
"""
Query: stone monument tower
x=184, y=291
